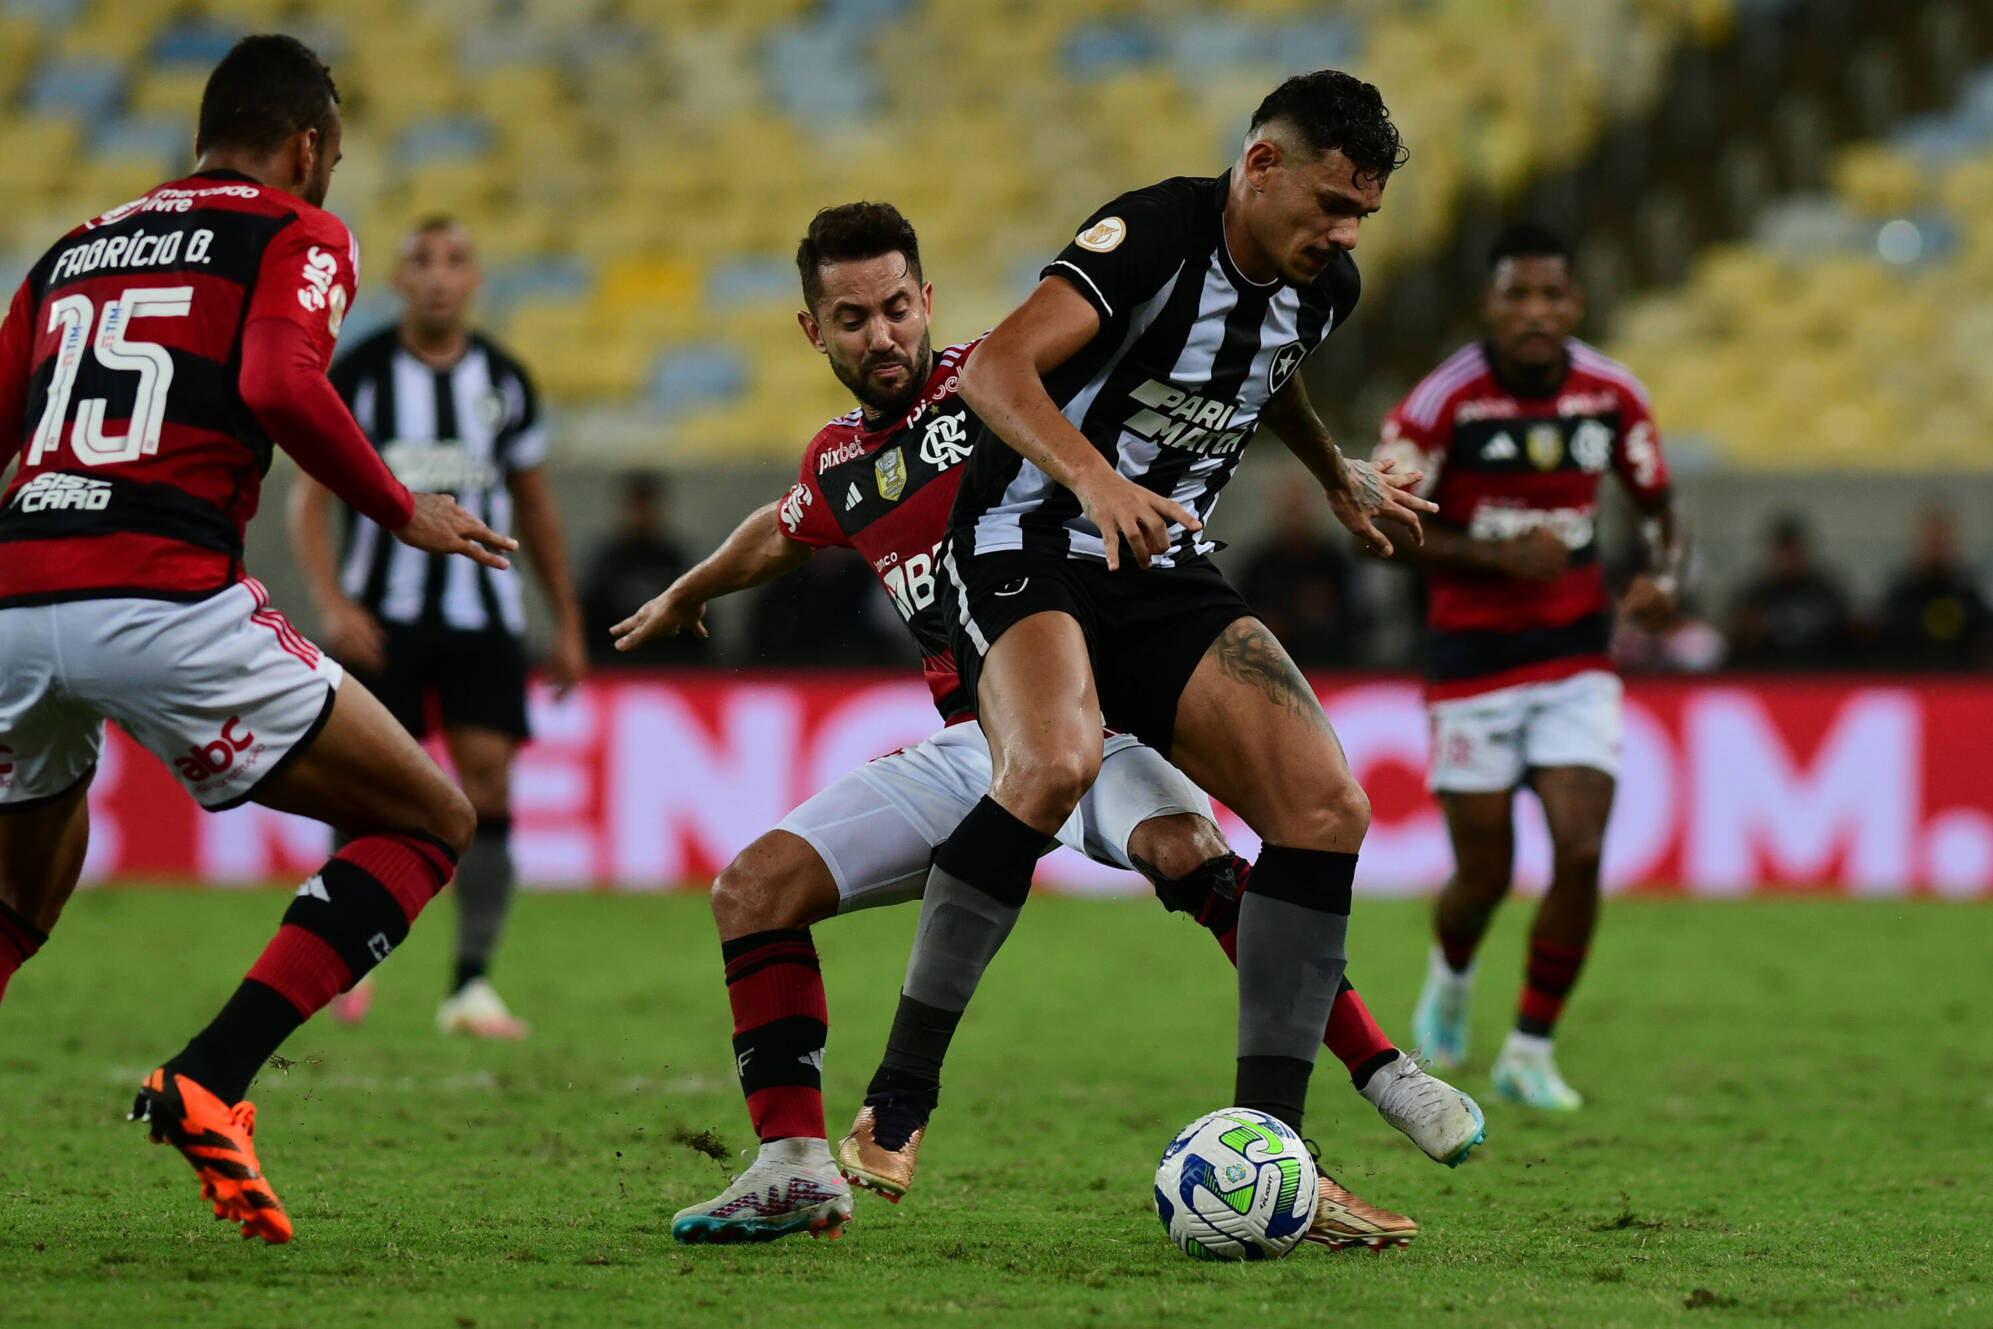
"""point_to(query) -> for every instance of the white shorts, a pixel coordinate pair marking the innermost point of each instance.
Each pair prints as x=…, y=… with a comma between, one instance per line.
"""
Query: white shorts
x=222, y=690
x=1490, y=742
x=876, y=828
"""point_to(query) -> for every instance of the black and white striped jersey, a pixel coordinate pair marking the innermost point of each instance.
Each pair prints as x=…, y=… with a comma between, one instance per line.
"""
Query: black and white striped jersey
x=462, y=431
x=1171, y=388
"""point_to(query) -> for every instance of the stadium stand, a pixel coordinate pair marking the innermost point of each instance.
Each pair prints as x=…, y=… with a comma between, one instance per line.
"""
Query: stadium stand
x=1853, y=328
x=638, y=171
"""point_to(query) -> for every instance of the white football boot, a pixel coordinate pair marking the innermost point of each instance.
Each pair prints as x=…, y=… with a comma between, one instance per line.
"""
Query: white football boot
x=792, y=1186
x=1526, y=1073
x=477, y=1010
x=1439, y=1021
x=1435, y=1116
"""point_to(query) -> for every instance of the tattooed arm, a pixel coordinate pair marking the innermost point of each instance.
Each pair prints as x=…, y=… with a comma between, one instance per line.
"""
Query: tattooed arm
x=1359, y=491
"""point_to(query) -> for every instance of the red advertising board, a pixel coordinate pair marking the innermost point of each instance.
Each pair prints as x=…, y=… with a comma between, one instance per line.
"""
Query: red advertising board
x=1730, y=786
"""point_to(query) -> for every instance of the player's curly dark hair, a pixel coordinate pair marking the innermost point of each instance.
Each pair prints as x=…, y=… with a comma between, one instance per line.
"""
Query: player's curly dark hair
x=853, y=231
x=1331, y=109
x=1528, y=239
x=267, y=88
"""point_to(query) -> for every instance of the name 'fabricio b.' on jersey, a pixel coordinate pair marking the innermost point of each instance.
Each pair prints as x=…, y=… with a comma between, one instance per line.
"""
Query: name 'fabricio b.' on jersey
x=1171, y=387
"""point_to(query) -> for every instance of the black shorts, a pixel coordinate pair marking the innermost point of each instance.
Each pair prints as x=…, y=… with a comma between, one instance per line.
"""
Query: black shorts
x=1146, y=629
x=477, y=678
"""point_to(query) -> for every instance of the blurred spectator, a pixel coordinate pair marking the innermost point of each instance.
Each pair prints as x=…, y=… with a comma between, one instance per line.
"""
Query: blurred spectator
x=1792, y=616
x=639, y=561
x=830, y=611
x=1934, y=617
x=1299, y=583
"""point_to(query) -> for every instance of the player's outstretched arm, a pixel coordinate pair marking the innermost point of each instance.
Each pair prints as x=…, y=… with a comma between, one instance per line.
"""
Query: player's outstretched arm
x=1361, y=493
x=1003, y=382
x=755, y=553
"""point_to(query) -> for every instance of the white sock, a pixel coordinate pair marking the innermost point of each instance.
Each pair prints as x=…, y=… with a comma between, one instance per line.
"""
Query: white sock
x=1439, y=971
x=798, y=1151
x=1526, y=1045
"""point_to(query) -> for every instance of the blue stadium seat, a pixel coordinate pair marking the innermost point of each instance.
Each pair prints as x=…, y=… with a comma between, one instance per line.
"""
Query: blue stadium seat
x=443, y=138
x=88, y=89
x=689, y=378
x=194, y=42
x=820, y=70
x=167, y=140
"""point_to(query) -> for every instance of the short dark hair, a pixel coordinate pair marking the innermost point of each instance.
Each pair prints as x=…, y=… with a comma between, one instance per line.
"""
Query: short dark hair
x=1528, y=239
x=853, y=231
x=1334, y=110
x=267, y=88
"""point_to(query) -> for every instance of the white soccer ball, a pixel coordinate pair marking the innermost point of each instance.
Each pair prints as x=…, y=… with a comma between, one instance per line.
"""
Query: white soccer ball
x=1236, y=1185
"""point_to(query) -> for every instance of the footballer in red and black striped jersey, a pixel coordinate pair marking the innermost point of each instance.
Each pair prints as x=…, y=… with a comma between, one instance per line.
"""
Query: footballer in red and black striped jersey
x=885, y=488
x=1514, y=434
x=120, y=351
x=1504, y=461
x=148, y=365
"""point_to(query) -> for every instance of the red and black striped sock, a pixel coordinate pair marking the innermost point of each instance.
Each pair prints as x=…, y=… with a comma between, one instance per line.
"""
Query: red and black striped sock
x=781, y=1018
x=1547, y=981
x=19, y=939
x=1459, y=951
x=342, y=922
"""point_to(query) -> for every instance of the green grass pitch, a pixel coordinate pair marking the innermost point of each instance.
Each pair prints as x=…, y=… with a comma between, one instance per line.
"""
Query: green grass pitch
x=1791, y=1111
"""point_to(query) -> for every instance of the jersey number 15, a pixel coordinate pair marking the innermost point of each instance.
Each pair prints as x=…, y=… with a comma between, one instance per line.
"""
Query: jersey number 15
x=72, y=316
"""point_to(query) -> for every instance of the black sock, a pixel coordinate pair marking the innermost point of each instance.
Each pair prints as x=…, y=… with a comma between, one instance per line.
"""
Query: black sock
x=1277, y=1086
x=224, y=1057
x=469, y=969
x=918, y=1043
x=1369, y=1068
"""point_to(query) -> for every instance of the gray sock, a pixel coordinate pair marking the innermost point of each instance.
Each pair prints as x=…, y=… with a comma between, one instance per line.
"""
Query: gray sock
x=485, y=881
x=1293, y=934
x=975, y=890
x=961, y=929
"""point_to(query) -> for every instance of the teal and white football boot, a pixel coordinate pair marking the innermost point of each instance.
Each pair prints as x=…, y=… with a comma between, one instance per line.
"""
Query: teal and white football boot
x=1526, y=1073
x=1439, y=1021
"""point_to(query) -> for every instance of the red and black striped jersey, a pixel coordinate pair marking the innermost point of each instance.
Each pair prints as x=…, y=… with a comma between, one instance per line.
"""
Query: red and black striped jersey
x=886, y=492
x=1500, y=464
x=119, y=364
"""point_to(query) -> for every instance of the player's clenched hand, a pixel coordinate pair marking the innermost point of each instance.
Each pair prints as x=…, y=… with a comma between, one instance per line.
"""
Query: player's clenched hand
x=1538, y=555
x=440, y=526
x=664, y=615
x=1379, y=491
x=1649, y=603
x=1122, y=510
x=354, y=637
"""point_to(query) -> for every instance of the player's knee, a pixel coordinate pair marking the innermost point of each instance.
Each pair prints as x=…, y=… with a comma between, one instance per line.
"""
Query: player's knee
x=1046, y=788
x=1576, y=859
x=453, y=820
x=1174, y=846
x=760, y=893
x=1340, y=811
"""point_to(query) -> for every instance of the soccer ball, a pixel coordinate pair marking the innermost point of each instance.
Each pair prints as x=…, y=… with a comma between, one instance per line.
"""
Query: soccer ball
x=1236, y=1185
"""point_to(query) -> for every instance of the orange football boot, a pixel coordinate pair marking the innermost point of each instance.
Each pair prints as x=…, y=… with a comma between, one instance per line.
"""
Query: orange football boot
x=216, y=1139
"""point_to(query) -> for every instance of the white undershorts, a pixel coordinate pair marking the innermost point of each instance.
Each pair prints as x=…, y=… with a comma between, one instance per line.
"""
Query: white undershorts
x=876, y=828
x=1491, y=741
x=222, y=690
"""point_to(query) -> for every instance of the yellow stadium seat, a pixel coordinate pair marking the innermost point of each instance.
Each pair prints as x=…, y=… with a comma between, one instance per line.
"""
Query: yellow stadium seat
x=1877, y=180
